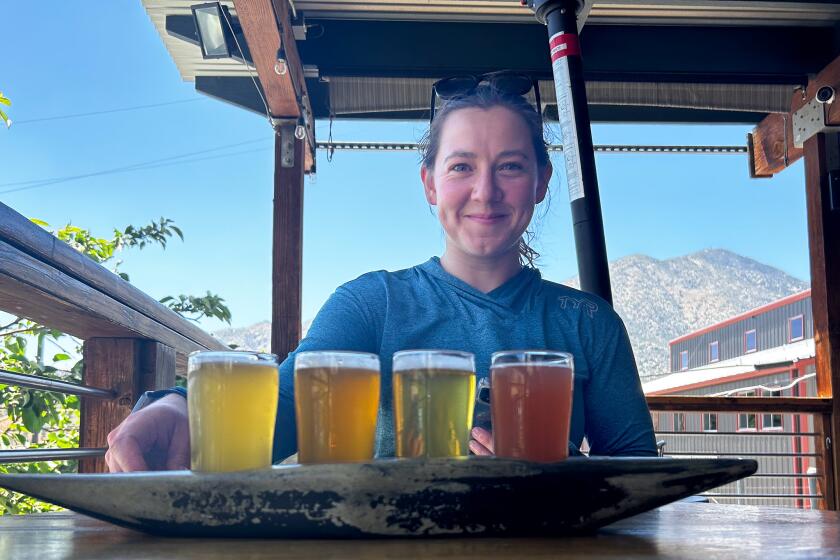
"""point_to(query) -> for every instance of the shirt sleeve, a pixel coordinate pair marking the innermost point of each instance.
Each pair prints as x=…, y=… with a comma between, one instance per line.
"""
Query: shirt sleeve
x=345, y=322
x=617, y=418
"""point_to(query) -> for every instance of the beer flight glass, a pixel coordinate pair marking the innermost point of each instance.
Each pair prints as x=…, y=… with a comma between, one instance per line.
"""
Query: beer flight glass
x=336, y=404
x=434, y=393
x=232, y=403
x=531, y=404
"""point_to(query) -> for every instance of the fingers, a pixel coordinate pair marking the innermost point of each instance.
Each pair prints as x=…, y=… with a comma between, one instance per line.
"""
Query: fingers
x=481, y=442
x=129, y=455
x=145, y=439
x=484, y=437
x=178, y=454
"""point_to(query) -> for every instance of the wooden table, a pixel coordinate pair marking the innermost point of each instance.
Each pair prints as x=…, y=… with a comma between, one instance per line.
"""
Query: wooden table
x=683, y=530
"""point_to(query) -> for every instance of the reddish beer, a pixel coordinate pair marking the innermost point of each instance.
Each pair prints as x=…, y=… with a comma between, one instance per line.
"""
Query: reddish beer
x=531, y=404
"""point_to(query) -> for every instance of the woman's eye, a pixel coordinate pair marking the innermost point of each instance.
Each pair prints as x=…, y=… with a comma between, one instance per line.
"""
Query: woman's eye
x=460, y=167
x=511, y=166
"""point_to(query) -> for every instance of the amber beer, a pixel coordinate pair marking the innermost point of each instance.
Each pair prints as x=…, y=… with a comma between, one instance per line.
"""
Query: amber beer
x=434, y=393
x=232, y=403
x=336, y=403
x=531, y=404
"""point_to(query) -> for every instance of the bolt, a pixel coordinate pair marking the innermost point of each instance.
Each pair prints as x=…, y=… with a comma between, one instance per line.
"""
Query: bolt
x=124, y=401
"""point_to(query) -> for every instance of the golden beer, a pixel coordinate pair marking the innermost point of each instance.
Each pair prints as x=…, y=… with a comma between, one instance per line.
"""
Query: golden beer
x=434, y=393
x=336, y=403
x=232, y=402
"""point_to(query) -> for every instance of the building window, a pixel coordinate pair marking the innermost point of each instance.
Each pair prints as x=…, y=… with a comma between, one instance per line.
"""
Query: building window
x=746, y=422
x=796, y=328
x=750, y=344
x=772, y=421
x=710, y=422
x=684, y=360
x=714, y=351
x=679, y=421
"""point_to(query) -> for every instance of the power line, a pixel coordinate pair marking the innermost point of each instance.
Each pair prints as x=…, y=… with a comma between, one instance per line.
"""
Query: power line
x=160, y=162
x=107, y=111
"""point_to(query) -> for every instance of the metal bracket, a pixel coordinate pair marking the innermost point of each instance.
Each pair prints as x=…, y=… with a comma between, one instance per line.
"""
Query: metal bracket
x=287, y=144
x=811, y=119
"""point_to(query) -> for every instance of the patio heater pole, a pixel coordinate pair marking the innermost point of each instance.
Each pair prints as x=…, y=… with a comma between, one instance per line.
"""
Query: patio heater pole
x=561, y=18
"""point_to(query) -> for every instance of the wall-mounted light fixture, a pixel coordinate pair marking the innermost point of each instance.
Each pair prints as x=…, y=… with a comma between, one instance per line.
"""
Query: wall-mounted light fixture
x=213, y=26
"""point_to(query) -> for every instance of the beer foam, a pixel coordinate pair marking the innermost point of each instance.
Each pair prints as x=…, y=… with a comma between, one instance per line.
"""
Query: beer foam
x=232, y=358
x=433, y=359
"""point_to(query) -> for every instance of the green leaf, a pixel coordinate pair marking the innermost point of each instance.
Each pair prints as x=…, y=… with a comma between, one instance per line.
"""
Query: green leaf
x=5, y=100
x=38, y=222
x=5, y=119
x=61, y=356
x=31, y=420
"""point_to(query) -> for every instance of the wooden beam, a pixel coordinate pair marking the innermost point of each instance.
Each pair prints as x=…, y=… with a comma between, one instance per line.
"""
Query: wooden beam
x=822, y=154
x=287, y=258
x=796, y=405
x=34, y=241
x=30, y=288
x=768, y=140
x=770, y=146
x=267, y=26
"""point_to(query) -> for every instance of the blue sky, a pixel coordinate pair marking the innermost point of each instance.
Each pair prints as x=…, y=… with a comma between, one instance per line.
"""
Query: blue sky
x=363, y=211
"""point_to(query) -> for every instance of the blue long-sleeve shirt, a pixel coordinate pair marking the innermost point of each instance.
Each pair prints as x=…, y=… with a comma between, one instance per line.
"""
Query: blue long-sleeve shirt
x=426, y=307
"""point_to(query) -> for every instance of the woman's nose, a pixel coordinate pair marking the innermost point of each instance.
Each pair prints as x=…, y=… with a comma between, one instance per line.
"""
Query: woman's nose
x=485, y=188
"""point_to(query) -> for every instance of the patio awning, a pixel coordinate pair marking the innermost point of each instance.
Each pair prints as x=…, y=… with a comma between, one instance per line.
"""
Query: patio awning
x=661, y=60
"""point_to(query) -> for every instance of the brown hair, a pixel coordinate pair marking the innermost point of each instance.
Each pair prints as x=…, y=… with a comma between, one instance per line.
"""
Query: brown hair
x=486, y=97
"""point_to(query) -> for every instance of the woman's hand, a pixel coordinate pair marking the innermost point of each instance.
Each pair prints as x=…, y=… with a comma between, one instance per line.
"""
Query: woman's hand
x=154, y=438
x=481, y=442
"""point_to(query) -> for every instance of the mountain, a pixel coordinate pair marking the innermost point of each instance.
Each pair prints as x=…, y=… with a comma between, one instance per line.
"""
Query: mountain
x=659, y=300
x=256, y=337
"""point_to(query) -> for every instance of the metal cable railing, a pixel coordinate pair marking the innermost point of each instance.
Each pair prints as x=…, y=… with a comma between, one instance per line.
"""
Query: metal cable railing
x=33, y=382
x=34, y=455
x=781, y=456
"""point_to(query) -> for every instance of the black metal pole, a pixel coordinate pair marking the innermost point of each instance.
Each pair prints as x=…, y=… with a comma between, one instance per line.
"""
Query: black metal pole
x=561, y=18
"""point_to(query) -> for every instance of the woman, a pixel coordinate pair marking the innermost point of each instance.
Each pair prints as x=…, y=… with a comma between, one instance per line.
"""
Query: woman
x=485, y=167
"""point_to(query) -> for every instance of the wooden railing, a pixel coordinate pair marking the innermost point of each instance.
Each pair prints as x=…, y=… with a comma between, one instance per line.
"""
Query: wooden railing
x=131, y=342
x=819, y=408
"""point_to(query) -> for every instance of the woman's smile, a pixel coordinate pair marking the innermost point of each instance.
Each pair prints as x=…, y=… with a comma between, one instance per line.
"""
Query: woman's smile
x=486, y=218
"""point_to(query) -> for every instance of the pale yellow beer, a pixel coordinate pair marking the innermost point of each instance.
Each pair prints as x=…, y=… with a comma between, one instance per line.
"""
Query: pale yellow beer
x=434, y=394
x=232, y=402
x=336, y=403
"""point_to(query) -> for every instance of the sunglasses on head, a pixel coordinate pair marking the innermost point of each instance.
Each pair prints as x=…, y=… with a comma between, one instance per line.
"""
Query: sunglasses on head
x=505, y=81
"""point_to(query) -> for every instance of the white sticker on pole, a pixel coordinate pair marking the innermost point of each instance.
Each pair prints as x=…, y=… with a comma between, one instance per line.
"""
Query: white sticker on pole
x=562, y=46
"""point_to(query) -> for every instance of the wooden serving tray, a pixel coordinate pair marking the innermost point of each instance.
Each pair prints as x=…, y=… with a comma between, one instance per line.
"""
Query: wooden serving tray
x=476, y=496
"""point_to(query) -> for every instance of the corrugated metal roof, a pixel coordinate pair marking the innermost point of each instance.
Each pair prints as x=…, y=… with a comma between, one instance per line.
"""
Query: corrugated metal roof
x=742, y=364
x=188, y=58
x=692, y=12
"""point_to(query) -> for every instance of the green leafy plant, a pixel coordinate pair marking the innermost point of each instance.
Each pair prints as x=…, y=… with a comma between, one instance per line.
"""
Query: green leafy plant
x=39, y=419
x=7, y=102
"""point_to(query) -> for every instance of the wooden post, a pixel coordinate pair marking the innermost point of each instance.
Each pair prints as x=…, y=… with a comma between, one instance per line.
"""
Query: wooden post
x=287, y=265
x=129, y=366
x=822, y=154
x=825, y=460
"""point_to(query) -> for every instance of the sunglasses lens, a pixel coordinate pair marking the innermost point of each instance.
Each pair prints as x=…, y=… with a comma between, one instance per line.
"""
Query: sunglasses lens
x=515, y=84
x=452, y=87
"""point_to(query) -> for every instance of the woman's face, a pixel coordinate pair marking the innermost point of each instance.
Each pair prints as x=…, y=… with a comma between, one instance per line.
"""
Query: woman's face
x=485, y=181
